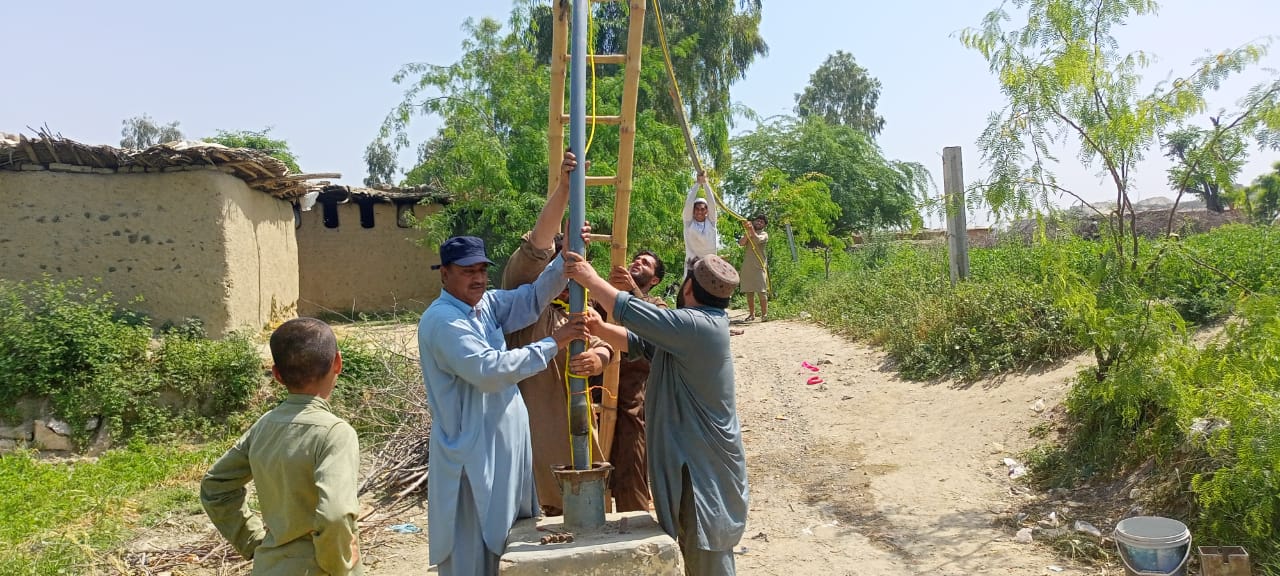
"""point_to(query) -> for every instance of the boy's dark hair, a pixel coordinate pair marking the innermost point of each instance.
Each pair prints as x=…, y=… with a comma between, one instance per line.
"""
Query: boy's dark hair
x=303, y=350
x=658, y=271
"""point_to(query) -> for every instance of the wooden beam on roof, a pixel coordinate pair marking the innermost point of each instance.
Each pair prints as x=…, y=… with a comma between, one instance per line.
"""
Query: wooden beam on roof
x=31, y=151
x=48, y=143
x=313, y=176
x=76, y=155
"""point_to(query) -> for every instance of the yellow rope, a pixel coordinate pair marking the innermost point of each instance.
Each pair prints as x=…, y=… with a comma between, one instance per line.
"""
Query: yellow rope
x=591, y=57
x=568, y=390
x=671, y=73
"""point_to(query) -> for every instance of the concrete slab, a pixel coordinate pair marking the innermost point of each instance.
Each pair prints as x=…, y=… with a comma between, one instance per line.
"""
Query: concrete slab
x=630, y=544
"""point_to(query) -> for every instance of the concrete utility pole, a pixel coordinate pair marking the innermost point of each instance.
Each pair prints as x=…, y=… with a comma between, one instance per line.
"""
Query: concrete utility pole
x=957, y=228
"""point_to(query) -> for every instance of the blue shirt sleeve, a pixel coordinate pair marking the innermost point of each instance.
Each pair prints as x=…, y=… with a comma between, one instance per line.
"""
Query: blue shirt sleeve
x=638, y=347
x=463, y=352
x=516, y=309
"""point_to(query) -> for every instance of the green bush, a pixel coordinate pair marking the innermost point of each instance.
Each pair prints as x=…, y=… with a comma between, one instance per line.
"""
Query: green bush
x=72, y=343
x=900, y=296
x=985, y=328
x=1232, y=414
x=1203, y=275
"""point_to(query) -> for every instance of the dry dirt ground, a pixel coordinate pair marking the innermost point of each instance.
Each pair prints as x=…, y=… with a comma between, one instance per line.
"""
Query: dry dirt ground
x=864, y=474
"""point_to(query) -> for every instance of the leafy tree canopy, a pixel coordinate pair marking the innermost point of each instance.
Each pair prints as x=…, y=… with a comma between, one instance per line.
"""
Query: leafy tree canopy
x=258, y=140
x=869, y=190
x=490, y=151
x=1066, y=80
x=842, y=93
x=143, y=132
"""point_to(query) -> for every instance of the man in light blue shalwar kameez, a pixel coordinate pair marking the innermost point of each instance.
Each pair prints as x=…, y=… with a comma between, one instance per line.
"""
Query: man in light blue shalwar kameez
x=481, y=458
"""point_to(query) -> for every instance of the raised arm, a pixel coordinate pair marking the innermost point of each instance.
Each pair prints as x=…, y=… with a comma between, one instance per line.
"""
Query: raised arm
x=518, y=308
x=713, y=209
x=649, y=322
x=749, y=237
x=667, y=329
x=544, y=232
x=688, y=203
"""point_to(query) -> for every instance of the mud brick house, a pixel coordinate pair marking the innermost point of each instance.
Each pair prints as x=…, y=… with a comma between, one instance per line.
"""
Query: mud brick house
x=195, y=229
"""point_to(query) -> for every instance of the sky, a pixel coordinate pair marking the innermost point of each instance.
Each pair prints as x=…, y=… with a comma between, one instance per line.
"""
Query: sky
x=318, y=73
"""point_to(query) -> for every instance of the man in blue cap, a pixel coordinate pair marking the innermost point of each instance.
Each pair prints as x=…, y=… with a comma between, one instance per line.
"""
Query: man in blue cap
x=481, y=456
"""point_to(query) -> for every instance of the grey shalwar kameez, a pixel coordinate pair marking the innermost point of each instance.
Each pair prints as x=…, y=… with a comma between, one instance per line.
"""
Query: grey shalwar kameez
x=697, y=465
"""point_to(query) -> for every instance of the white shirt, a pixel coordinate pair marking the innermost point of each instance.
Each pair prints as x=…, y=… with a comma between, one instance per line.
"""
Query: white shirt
x=700, y=238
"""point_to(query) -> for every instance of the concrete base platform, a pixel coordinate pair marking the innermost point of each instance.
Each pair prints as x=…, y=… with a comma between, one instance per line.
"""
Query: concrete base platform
x=629, y=544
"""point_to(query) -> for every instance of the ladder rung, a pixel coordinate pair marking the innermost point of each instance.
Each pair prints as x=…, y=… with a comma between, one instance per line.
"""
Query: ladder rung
x=610, y=120
x=602, y=58
x=599, y=238
x=602, y=180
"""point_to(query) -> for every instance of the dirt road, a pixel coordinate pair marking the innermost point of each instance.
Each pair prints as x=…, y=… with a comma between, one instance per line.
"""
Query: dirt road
x=864, y=474
x=869, y=474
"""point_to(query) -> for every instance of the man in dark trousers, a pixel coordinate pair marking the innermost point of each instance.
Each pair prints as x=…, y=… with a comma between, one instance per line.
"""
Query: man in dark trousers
x=630, y=479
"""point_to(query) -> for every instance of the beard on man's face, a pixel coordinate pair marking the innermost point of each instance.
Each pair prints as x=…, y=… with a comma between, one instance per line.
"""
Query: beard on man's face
x=642, y=280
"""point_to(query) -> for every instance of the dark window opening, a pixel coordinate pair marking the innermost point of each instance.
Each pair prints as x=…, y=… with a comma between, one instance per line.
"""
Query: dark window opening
x=366, y=214
x=330, y=214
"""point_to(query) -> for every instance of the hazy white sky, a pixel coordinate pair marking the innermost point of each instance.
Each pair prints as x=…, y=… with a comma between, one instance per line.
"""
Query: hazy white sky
x=319, y=71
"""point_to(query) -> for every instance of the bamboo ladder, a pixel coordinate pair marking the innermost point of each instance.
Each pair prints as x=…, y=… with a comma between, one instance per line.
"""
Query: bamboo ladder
x=558, y=121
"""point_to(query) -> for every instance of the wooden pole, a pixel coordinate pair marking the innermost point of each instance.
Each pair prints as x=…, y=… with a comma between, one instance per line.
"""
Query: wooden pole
x=957, y=228
x=555, y=116
x=622, y=204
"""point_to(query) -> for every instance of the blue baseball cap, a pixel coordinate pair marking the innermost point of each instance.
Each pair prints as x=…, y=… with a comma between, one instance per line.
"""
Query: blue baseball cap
x=463, y=251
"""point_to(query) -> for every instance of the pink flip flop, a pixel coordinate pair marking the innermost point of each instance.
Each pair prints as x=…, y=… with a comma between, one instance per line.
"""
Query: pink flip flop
x=814, y=381
x=807, y=366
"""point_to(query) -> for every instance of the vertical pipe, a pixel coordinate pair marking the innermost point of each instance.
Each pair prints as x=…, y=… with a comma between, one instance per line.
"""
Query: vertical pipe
x=579, y=409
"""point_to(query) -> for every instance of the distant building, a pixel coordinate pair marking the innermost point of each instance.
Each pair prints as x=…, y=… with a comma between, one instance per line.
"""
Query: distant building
x=203, y=231
x=359, y=252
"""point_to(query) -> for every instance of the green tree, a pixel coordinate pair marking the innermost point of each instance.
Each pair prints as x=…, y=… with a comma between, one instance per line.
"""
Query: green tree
x=713, y=43
x=870, y=190
x=842, y=93
x=1066, y=80
x=1203, y=165
x=143, y=132
x=380, y=158
x=1065, y=77
x=490, y=151
x=258, y=140
x=804, y=203
x=1264, y=195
